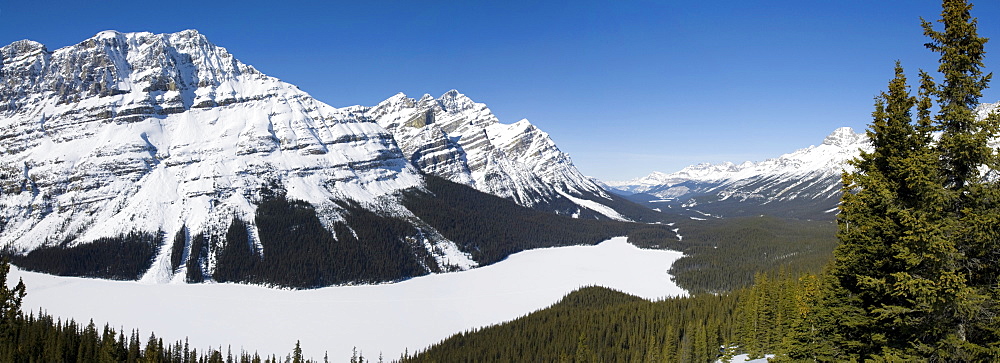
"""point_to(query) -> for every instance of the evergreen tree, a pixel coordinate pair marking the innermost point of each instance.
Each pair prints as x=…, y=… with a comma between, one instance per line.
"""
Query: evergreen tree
x=883, y=226
x=297, y=353
x=755, y=318
x=10, y=301
x=970, y=202
x=802, y=341
x=913, y=276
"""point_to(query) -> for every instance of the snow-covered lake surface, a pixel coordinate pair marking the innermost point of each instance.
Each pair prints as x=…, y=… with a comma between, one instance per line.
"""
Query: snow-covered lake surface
x=388, y=318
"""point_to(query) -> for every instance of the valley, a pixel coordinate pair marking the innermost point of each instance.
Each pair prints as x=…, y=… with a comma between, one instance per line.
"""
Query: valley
x=387, y=318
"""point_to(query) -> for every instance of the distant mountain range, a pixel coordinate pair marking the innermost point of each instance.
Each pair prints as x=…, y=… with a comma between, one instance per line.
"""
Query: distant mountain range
x=162, y=157
x=804, y=184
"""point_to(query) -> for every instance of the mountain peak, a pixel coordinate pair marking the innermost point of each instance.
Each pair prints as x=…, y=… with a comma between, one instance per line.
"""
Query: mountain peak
x=178, y=40
x=190, y=36
x=455, y=138
x=142, y=132
x=453, y=101
x=189, y=33
x=399, y=97
x=108, y=34
x=842, y=137
x=20, y=48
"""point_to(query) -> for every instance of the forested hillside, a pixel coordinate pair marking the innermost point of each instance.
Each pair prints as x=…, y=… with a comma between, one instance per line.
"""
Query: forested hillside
x=725, y=254
x=296, y=249
x=596, y=324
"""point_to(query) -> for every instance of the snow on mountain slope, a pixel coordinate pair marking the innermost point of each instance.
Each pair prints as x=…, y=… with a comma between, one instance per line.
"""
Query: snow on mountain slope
x=804, y=168
x=461, y=140
x=804, y=183
x=141, y=132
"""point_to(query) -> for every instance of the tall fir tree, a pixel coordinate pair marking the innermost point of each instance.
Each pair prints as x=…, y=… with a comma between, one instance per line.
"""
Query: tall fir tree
x=915, y=276
x=880, y=214
x=10, y=301
x=970, y=202
x=297, y=353
x=803, y=342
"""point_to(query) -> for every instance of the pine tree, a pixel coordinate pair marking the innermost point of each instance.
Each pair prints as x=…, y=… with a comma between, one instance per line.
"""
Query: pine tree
x=297, y=353
x=970, y=200
x=915, y=276
x=754, y=318
x=10, y=300
x=802, y=341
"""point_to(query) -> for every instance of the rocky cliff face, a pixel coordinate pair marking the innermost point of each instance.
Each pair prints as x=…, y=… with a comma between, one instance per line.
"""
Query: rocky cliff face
x=458, y=139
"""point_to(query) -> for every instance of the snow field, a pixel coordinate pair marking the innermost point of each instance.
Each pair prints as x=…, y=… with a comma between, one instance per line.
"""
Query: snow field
x=388, y=318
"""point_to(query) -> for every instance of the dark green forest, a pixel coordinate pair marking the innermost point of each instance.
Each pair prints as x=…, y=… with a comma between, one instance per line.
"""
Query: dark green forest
x=125, y=257
x=596, y=324
x=492, y=228
x=301, y=253
x=725, y=254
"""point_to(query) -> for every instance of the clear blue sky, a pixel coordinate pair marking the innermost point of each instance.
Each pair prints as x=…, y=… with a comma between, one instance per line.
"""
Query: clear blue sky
x=625, y=87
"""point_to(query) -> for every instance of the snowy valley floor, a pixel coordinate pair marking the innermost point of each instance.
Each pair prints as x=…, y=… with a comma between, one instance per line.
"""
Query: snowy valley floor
x=375, y=318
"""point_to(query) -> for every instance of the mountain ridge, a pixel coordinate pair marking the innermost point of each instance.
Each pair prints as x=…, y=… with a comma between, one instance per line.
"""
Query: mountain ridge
x=802, y=184
x=461, y=140
x=167, y=139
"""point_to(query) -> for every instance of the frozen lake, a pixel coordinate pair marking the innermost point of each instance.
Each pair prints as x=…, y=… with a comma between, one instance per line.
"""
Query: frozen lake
x=388, y=318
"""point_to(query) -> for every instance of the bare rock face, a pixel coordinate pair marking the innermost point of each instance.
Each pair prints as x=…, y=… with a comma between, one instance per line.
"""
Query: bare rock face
x=458, y=139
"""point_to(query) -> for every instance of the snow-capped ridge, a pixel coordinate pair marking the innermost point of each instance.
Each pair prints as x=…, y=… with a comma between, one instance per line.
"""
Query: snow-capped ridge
x=20, y=48
x=807, y=180
x=838, y=147
x=844, y=137
x=805, y=174
x=456, y=138
x=142, y=132
x=166, y=135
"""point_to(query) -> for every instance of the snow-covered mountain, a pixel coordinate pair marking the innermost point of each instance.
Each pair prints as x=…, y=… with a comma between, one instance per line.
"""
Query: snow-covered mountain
x=168, y=141
x=811, y=174
x=802, y=184
x=460, y=140
x=140, y=133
